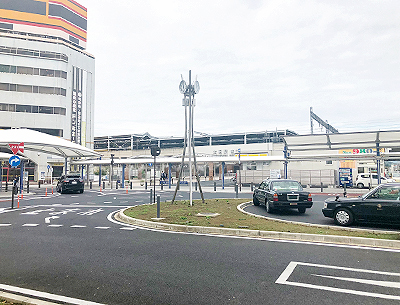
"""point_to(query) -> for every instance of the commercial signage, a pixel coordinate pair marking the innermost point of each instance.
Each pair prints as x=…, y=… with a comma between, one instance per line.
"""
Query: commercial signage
x=357, y=151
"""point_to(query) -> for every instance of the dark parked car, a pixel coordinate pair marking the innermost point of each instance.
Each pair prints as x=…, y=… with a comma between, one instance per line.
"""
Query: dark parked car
x=279, y=194
x=381, y=205
x=70, y=183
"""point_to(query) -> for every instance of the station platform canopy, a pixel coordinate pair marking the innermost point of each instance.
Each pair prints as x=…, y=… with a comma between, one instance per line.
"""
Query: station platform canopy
x=40, y=142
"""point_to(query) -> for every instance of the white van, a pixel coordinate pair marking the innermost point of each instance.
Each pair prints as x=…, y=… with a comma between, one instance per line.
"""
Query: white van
x=367, y=179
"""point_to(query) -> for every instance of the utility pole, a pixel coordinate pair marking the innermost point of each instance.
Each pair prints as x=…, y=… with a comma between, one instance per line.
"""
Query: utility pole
x=188, y=101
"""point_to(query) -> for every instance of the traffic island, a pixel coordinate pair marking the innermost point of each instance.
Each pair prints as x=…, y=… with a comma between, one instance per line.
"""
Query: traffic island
x=231, y=221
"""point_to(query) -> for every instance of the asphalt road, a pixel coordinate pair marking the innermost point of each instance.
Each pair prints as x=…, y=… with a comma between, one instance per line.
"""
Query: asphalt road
x=69, y=246
x=314, y=215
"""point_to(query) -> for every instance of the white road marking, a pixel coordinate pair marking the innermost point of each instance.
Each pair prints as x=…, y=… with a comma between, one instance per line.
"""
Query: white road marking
x=107, y=202
x=30, y=225
x=55, y=226
x=37, y=212
x=5, y=224
x=91, y=212
x=46, y=295
x=47, y=219
x=128, y=228
x=77, y=226
x=102, y=228
x=362, y=281
x=283, y=279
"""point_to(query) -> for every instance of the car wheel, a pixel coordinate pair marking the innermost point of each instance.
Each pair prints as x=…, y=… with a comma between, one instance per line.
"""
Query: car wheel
x=343, y=217
x=268, y=207
x=302, y=210
x=255, y=201
x=360, y=185
x=81, y=191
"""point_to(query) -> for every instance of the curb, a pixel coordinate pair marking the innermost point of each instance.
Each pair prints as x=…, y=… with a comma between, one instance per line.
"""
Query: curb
x=328, y=239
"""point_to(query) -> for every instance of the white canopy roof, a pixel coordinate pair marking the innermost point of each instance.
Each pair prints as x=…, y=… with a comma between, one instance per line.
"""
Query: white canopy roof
x=41, y=142
x=335, y=141
x=178, y=159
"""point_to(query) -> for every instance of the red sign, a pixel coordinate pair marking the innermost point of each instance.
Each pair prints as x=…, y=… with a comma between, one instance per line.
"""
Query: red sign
x=15, y=148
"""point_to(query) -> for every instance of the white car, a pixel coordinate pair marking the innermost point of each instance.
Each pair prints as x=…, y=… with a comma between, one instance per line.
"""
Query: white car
x=366, y=180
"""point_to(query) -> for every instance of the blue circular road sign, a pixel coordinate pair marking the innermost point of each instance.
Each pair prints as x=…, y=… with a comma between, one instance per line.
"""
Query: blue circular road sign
x=14, y=161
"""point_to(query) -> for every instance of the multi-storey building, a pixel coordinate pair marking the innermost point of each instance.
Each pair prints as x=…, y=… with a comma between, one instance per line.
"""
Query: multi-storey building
x=46, y=76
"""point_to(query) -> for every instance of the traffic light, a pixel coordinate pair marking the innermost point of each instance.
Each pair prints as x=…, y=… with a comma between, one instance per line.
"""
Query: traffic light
x=155, y=151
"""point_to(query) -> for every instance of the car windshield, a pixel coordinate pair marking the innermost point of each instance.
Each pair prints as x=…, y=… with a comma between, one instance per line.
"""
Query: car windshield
x=386, y=192
x=286, y=186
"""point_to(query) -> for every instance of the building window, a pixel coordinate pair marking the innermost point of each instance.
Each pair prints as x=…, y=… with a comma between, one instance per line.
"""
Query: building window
x=32, y=109
x=33, y=71
x=33, y=53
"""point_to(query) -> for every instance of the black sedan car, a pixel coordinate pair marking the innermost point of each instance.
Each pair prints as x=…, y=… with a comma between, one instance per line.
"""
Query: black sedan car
x=70, y=183
x=279, y=194
x=380, y=205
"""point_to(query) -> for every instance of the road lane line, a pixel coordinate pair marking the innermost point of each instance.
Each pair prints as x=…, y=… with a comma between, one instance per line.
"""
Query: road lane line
x=55, y=226
x=77, y=226
x=283, y=280
x=30, y=225
x=46, y=295
x=5, y=224
x=102, y=228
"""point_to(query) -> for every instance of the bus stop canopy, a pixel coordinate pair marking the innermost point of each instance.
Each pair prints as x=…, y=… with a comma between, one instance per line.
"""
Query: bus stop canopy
x=44, y=143
x=336, y=141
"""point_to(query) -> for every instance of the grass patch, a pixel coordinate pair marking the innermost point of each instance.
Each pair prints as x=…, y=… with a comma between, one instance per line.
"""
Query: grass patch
x=182, y=213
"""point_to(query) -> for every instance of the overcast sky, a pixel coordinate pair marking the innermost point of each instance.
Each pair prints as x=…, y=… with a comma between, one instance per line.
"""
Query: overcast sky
x=261, y=65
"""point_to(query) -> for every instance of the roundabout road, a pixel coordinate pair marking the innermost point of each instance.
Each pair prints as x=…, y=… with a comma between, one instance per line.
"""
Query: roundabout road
x=313, y=215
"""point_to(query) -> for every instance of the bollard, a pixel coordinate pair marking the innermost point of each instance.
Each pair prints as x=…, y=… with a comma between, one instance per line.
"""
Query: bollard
x=52, y=190
x=195, y=186
x=344, y=189
x=251, y=186
x=116, y=185
x=322, y=187
x=90, y=185
x=215, y=186
x=237, y=191
x=18, y=202
x=12, y=198
x=39, y=184
x=162, y=185
x=131, y=184
x=22, y=195
x=6, y=186
x=158, y=206
x=27, y=186
x=145, y=185
x=104, y=185
x=151, y=195
x=127, y=189
x=46, y=192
